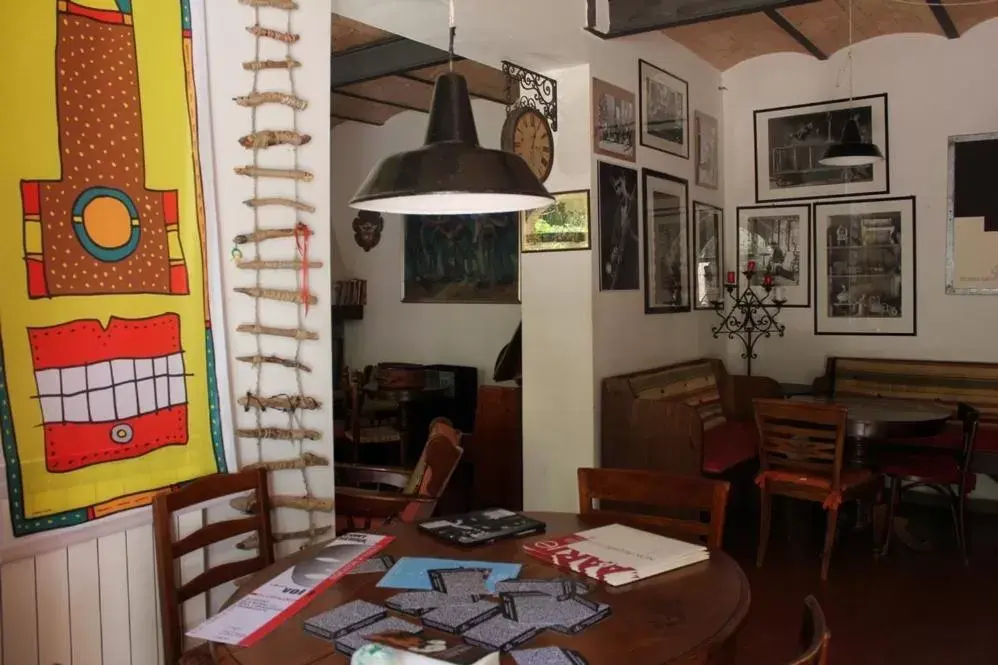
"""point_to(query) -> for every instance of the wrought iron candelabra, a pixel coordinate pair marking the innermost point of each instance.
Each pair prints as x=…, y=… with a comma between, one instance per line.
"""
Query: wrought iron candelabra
x=751, y=317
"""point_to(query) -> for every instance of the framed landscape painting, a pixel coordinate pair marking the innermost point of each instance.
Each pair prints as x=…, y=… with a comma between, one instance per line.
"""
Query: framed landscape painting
x=865, y=267
x=665, y=110
x=708, y=246
x=561, y=227
x=614, y=121
x=461, y=259
x=667, y=258
x=778, y=240
x=791, y=140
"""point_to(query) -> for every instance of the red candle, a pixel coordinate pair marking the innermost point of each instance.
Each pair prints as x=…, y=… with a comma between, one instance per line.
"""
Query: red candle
x=750, y=267
x=731, y=277
x=767, y=280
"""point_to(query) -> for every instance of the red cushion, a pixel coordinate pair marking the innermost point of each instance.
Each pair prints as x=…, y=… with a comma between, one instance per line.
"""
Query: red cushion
x=936, y=469
x=987, y=439
x=950, y=438
x=728, y=445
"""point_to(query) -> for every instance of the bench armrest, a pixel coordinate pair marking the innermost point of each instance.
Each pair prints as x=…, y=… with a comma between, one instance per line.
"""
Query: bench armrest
x=668, y=434
x=741, y=390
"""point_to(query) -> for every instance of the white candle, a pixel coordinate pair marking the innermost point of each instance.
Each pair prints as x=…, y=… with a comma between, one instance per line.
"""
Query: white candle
x=778, y=293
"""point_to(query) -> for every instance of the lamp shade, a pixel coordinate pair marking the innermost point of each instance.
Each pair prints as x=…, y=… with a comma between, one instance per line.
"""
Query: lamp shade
x=451, y=174
x=851, y=150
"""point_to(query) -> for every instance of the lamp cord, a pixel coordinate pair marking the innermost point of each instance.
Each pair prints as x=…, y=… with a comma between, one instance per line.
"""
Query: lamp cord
x=850, y=52
x=453, y=33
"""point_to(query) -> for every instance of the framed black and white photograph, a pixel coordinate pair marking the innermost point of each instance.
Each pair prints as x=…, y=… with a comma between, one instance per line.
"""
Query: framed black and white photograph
x=708, y=247
x=778, y=240
x=972, y=216
x=667, y=237
x=865, y=267
x=614, y=121
x=708, y=162
x=665, y=110
x=790, y=142
x=619, y=244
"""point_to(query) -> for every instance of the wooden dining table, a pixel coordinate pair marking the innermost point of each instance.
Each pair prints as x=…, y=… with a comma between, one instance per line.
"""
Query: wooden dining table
x=691, y=615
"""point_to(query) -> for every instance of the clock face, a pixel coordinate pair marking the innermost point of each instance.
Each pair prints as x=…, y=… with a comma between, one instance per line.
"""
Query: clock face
x=528, y=134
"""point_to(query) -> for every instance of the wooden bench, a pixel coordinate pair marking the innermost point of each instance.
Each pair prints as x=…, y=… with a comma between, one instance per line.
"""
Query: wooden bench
x=692, y=418
x=936, y=381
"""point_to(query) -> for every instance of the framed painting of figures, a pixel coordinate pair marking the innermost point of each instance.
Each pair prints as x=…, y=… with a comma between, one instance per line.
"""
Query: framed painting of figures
x=665, y=110
x=619, y=245
x=667, y=258
x=778, y=240
x=791, y=140
x=865, y=267
x=461, y=259
x=614, y=121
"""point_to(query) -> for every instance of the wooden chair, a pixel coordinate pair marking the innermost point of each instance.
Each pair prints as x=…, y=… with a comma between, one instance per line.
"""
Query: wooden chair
x=659, y=492
x=943, y=466
x=361, y=429
x=370, y=496
x=171, y=595
x=802, y=447
x=814, y=635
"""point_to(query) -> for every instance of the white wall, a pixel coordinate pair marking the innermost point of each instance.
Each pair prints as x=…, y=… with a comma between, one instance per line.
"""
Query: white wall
x=391, y=330
x=936, y=88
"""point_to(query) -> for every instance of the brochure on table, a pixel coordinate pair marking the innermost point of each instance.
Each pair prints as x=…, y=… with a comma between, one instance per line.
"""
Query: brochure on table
x=258, y=613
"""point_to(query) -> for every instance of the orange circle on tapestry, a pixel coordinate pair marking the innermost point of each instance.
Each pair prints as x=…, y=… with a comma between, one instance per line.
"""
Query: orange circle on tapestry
x=108, y=222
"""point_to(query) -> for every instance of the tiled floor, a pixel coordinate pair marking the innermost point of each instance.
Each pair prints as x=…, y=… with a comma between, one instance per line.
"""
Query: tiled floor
x=910, y=608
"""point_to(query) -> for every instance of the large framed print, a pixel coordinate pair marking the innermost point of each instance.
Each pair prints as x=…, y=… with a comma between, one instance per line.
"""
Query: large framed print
x=865, y=267
x=972, y=216
x=778, y=240
x=619, y=243
x=614, y=121
x=708, y=247
x=791, y=140
x=667, y=262
x=562, y=226
x=665, y=110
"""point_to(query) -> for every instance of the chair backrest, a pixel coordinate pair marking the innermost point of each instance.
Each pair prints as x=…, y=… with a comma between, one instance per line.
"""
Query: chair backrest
x=970, y=418
x=804, y=437
x=434, y=469
x=641, y=490
x=172, y=595
x=814, y=635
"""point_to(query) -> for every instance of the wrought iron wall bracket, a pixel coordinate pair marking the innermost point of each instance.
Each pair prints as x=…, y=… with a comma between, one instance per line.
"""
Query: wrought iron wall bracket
x=750, y=318
x=536, y=91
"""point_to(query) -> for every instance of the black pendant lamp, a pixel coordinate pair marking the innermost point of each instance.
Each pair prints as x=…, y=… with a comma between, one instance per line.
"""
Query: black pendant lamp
x=851, y=150
x=451, y=174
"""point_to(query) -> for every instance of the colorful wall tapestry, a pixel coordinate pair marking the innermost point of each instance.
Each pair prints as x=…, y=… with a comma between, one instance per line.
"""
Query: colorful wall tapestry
x=108, y=389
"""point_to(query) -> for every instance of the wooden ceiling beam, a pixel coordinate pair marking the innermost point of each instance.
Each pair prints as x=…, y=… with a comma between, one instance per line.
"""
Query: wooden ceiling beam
x=347, y=118
x=943, y=18
x=776, y=17
x=383, y=102
x=384, y=58
x=431, y=81
x=632, y=17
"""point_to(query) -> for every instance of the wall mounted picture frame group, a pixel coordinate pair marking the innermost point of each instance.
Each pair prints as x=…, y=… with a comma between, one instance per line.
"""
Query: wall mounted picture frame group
x=667, y=237
x=972, y=215
x=778, y=240
x=791, y=140
x=563, y=226
x=865, y=269
x=665, y=110
x=619, y=242
x=708, y=250
x=614, y=121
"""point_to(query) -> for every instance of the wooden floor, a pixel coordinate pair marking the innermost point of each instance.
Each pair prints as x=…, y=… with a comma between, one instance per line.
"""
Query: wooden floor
x=911, y=608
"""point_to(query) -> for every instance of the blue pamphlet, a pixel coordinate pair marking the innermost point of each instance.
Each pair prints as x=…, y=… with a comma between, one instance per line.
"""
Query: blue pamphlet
x=409, y=572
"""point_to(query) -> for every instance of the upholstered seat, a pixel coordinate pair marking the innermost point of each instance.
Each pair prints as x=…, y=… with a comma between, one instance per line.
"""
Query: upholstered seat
x=935, y=469
x=728, y=445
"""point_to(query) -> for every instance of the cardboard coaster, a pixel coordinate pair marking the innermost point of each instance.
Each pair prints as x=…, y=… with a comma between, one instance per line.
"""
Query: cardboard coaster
x=345, y=619
x=460, y=581
x=537, y=609
x=418, y=603
x=460, y=617
x=548, y=656
x=500, y=633
x=578, y=614
x=355, y=640
x=558, y=588
x=378, y=564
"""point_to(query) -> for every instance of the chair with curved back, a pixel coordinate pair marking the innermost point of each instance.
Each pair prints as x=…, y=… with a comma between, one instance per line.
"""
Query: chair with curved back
x=814, y=635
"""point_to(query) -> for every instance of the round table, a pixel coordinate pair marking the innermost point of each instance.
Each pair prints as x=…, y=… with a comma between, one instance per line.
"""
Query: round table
x=691, y=615
x=876, y=419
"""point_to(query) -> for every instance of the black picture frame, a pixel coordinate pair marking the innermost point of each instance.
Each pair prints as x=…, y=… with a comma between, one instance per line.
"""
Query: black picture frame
x=717, y=283
x=821, y=231
x=645, y=137
x=680, y=277
x=619, y=239
x=879, y=132
x=800, y=295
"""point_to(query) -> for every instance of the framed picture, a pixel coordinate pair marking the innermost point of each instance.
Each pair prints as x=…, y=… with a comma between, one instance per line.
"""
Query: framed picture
x=618, y=227
x=667, y=238
x=972, y=216
x=791, y=140
x=561, y=227
x=665, y=110
x=614, y=121
x=461, y=259
x=708, y=164
x=865, y=267
x=778, y=239
x=708, y=248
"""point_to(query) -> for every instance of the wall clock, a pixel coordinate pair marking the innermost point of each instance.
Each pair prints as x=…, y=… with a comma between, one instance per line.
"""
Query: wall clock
x=527, y=133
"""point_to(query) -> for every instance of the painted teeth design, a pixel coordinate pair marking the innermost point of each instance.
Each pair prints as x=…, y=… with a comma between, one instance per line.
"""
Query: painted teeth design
x=111, y=390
